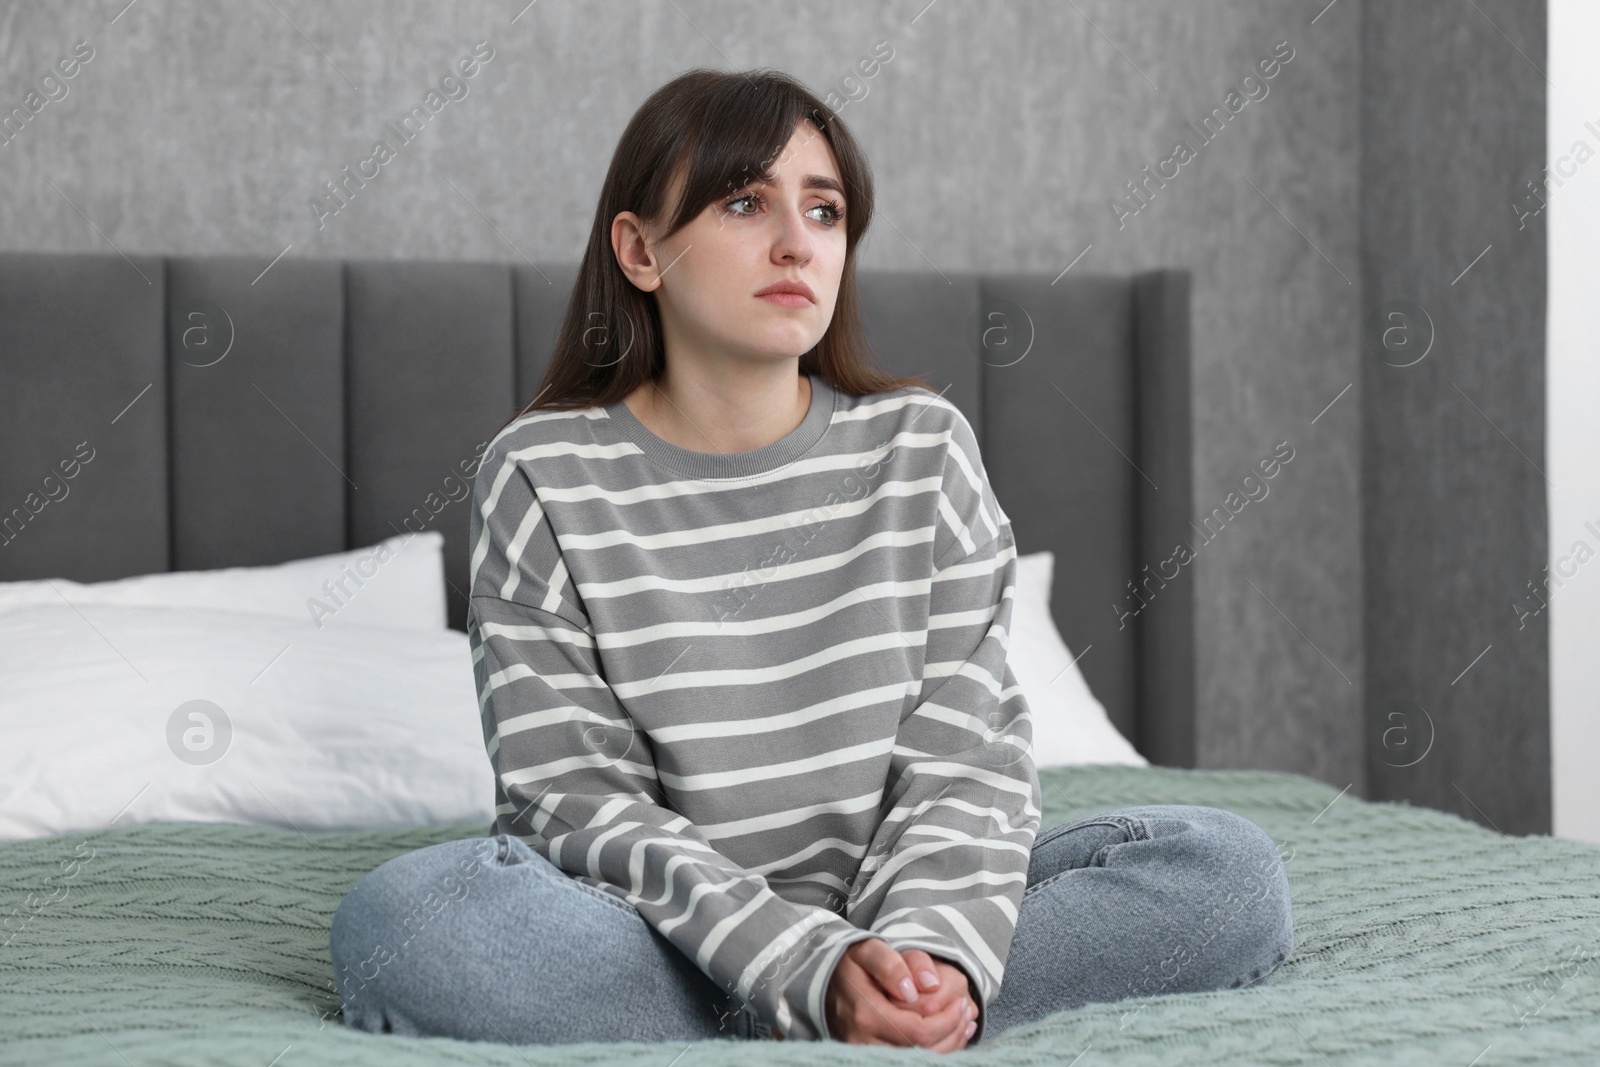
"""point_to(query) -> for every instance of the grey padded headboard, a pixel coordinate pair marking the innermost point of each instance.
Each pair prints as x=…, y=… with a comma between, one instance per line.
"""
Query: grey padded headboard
x=242, y=412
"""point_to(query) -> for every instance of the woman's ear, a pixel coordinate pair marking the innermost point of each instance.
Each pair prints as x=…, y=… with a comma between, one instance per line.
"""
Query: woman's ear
x=632, y=244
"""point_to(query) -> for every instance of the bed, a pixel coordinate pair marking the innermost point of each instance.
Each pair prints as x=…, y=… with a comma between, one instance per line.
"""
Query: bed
x=247, y=414
x=1420, y=938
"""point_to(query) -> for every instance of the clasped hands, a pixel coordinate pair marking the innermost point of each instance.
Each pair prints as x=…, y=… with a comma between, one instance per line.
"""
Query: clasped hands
x=879, y=995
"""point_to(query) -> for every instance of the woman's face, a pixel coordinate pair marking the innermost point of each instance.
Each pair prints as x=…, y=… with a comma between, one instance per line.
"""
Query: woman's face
x=790, y=228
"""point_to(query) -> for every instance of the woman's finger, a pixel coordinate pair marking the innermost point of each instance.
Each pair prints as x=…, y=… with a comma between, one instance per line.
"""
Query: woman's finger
x=867, y=1015
x=955, y=1040
x=943, y=1030
x=952, y=986
x=888, y=968
x=922, y=969
x=907, y=1025
x=956, y=1037
x=876, y=1019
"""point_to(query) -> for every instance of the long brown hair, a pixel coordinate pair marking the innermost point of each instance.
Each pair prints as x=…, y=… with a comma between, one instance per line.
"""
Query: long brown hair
x=726, y=128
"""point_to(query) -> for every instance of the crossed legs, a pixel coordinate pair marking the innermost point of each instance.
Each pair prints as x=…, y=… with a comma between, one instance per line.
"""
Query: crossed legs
x=483, y=939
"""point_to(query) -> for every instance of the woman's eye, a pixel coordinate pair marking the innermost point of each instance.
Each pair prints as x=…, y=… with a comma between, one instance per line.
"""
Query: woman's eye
x=833, y=213
x=832, y=218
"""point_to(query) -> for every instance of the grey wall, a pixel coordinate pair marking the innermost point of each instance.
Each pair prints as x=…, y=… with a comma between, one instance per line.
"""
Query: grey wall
x=1453, y=469
x=1001, y=136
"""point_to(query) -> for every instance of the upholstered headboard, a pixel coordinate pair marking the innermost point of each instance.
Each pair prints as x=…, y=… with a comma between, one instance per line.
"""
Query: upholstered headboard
x=242, y=411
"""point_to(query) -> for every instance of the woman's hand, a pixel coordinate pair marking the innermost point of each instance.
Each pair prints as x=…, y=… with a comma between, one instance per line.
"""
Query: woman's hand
x=872, y=999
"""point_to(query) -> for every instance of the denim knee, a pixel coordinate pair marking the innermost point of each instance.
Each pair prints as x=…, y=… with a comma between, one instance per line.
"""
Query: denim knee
x=1263, y=882
x=388, y=906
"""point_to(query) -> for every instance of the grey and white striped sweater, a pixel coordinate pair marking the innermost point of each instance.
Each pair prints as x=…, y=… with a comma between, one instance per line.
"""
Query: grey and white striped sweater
x=762, y=696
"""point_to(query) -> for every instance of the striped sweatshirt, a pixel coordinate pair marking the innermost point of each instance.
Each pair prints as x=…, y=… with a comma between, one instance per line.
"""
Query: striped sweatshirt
x=762, y=696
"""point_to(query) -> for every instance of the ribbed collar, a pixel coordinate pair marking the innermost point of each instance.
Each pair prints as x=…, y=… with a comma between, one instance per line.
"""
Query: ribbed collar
x=786, y=449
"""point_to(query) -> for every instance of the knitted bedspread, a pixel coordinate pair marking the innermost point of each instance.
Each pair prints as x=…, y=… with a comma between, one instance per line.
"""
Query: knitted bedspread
x=1419, y=938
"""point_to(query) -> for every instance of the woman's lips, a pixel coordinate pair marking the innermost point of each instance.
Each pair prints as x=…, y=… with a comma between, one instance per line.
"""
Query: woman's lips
x=788, y=300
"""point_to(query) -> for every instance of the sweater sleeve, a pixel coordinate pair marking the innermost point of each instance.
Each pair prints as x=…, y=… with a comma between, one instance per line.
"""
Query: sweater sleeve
x=576, y=779
x=948, y=865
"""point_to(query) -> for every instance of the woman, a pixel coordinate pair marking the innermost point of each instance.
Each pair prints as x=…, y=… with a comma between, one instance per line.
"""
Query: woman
x=739, y=617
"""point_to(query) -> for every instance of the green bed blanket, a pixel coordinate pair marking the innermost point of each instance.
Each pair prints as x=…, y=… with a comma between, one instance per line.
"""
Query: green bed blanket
x=1419, y=938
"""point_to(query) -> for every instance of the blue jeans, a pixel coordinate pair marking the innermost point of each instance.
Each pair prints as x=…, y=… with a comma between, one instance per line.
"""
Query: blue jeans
x=484, y=939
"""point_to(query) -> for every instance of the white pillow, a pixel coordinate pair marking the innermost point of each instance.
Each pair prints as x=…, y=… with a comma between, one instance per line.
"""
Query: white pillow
x=349, y=727
x=123, y=713
x=397, y=582
x=1069, y=725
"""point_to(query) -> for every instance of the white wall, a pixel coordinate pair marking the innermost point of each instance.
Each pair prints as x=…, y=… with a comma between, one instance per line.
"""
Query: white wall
x=1573, y=426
